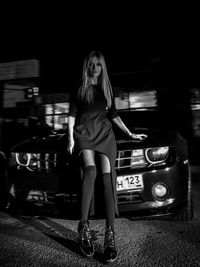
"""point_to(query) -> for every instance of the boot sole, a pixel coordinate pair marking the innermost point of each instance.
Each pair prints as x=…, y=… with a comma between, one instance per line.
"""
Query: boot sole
x=110, y=261
x=86, y=255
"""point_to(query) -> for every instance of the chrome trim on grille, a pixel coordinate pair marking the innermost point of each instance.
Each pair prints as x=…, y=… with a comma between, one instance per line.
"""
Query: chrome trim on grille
x=125, y=157
x=46, y=161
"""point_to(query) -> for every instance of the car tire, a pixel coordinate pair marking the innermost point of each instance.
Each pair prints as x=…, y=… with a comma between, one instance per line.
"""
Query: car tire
x=3, y=192
x=187, y=213
x=3, y=181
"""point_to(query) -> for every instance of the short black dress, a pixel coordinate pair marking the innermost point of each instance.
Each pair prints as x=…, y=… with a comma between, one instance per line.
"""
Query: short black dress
x=93, y=128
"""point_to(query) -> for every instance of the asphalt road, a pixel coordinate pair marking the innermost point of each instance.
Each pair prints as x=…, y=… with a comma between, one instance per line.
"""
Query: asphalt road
x=45, y=241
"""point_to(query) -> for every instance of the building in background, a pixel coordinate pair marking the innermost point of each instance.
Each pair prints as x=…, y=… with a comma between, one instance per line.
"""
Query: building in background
x=17, y=78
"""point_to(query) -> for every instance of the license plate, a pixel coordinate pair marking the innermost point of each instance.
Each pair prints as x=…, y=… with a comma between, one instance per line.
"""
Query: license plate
x=127, y=182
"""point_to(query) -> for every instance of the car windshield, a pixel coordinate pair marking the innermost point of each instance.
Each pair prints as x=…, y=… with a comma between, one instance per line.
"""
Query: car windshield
x=149, y=108
x=146, y=119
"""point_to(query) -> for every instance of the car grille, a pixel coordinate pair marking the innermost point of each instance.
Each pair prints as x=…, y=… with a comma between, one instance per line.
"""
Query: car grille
x=127, y=159
x=46, y=161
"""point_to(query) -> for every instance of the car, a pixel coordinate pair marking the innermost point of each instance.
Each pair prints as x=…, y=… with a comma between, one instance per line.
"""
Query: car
x=153, y=175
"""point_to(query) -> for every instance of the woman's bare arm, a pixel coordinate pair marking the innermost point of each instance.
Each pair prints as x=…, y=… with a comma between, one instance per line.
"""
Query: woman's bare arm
x=71, y=121
x=118, y=121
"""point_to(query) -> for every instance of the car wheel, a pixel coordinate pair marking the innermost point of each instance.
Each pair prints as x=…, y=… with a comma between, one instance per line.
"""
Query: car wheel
x=3, y=182
x=187, y=213
x=3, y=192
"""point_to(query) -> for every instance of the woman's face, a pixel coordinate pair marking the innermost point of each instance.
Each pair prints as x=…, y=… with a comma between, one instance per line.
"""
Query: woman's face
x=94, y=67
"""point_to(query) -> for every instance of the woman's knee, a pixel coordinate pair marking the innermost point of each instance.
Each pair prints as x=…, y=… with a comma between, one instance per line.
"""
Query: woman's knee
x=106, y=177
x=88, y=157
x=89, y=172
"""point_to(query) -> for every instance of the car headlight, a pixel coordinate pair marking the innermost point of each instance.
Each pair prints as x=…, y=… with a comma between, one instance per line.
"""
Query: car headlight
x=26, y=159
x=23, y=158
x=157, y=154
x=34, y=161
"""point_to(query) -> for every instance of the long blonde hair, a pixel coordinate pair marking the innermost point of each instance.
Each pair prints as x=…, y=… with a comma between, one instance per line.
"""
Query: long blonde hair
x=85, y=91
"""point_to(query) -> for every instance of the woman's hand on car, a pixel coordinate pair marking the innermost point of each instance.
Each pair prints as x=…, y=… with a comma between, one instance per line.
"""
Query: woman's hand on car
x=139, y=137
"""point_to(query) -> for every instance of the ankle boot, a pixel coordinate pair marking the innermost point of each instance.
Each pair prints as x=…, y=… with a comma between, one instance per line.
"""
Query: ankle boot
x=85, y=239
x=110, y=251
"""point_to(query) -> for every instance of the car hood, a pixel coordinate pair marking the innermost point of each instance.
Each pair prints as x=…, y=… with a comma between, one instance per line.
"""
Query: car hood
x=155, y=137
x=58, y=142
x=48, y=144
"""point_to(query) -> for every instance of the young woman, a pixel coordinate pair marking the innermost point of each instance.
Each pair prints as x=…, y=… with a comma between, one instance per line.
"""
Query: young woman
x=91, y=111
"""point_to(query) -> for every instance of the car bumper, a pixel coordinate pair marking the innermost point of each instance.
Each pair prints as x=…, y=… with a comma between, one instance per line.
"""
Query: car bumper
x=135, y=204
x=144, y=202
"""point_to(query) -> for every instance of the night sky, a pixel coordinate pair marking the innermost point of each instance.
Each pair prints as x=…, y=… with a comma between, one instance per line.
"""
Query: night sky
x=130, y=39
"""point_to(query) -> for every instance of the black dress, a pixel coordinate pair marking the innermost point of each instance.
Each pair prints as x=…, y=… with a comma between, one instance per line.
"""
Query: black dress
x=93, y=128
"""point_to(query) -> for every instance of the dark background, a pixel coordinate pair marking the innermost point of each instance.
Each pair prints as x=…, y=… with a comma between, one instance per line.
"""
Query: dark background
x=131, y=37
